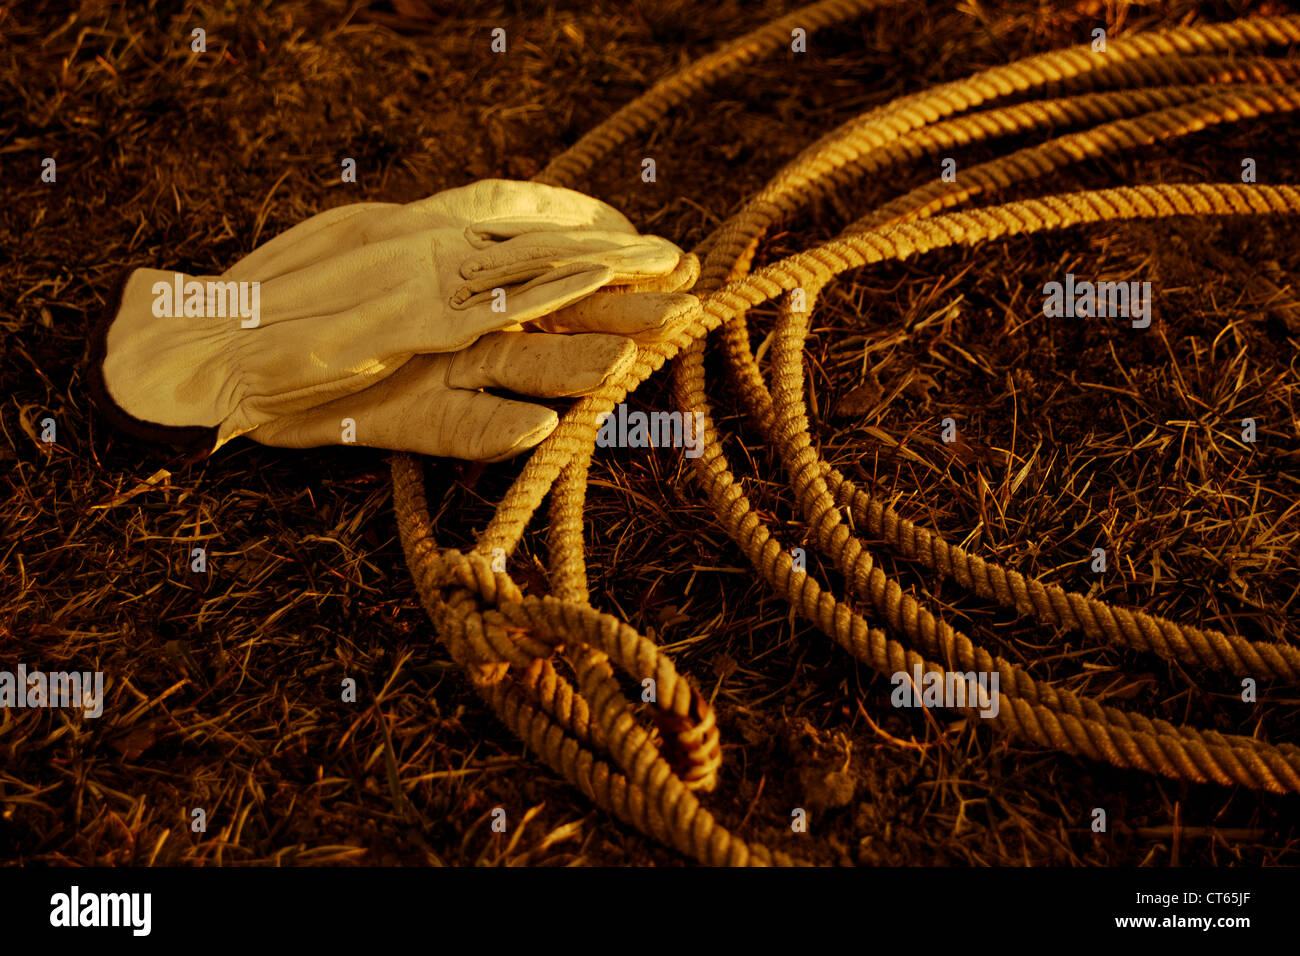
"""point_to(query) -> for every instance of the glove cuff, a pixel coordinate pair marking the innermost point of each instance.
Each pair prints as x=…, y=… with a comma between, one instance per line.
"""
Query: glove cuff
x=167, y=356
x=187, y=436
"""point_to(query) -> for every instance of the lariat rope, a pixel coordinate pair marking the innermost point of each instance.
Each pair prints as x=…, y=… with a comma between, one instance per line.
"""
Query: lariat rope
x=546, y=665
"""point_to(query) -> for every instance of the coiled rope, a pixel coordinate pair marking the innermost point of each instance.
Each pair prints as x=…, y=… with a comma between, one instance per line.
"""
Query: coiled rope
x=546, y=665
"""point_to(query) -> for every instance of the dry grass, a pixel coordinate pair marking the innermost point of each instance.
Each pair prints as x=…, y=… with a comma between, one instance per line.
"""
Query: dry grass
x=224, y=688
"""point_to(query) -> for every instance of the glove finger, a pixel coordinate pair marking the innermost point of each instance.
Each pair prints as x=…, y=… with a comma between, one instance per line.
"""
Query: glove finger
x=524, y=257
x=415, y=411
x=681, y=279
x=490, y=311
x=644, y=316
x=483, y=234
x=539, y=364
x=514, y=206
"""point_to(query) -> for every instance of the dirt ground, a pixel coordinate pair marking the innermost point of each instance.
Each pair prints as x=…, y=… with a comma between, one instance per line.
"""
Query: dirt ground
x=223, y=688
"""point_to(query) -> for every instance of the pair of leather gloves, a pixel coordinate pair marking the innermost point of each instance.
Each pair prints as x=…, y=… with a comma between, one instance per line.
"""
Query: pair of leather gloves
x=396, y=317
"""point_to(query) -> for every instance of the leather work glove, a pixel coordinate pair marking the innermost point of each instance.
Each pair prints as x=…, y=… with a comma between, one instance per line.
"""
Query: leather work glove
x=432, y=405
x=343, y=301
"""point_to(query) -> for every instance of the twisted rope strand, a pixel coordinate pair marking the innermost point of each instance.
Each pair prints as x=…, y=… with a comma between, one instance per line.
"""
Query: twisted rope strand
x=901, y=610
x=1096, y=619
